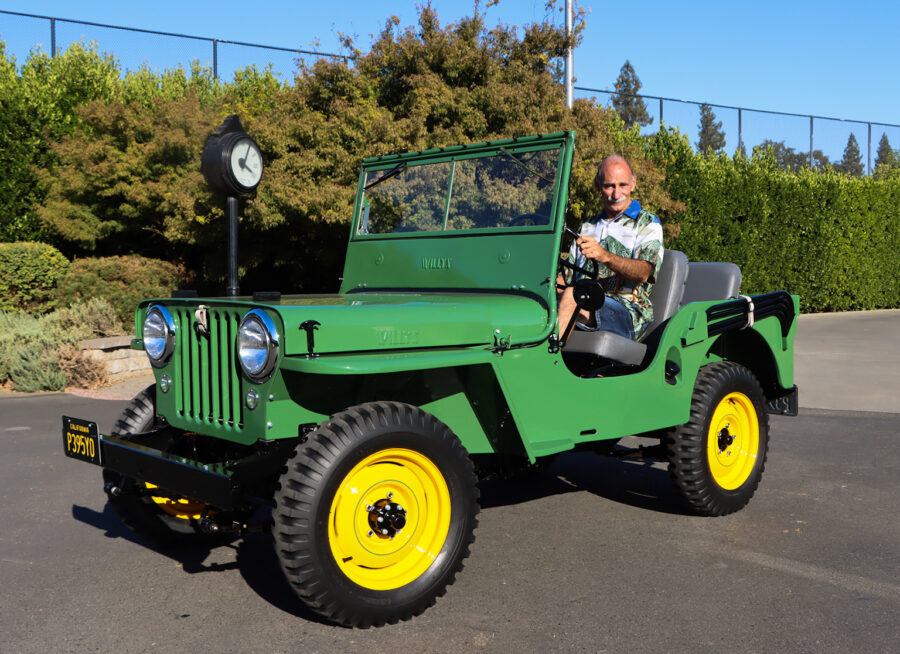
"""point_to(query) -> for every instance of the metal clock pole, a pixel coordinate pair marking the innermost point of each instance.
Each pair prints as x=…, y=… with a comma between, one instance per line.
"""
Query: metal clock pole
x=231, y=212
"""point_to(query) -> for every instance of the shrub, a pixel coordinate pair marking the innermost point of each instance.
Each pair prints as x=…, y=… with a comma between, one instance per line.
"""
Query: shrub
x=29, y=273
x=832, y=239
x=81, y=371
x=40, y=353
x=95, y=318
x=122, y=281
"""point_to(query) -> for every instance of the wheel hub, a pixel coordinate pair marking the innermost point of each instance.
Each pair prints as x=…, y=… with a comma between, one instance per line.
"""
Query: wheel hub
x=725, y=438
x=386, y=518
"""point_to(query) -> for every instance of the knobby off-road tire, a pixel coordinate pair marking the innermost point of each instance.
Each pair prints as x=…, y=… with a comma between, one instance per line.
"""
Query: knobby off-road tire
x=717, y=458
x=359, y=466
x=161, y=521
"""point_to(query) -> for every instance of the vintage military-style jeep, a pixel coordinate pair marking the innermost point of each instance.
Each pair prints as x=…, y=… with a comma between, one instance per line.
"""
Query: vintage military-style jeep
x=355, y=425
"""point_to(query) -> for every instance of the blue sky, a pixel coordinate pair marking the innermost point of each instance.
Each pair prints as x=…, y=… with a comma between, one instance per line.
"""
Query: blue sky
x=824, y=58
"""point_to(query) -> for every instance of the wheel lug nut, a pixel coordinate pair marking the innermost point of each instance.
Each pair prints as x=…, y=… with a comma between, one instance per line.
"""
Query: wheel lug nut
x=390, y=496
x=370, y=508
x=370, y=533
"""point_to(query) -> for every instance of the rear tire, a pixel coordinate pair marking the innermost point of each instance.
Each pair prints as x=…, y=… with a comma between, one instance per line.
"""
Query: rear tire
x=377, y=460
x=717, y=458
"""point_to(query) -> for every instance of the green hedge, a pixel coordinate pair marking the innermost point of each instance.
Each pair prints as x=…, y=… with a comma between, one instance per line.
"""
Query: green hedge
x=832, y=239
x=122, y=281
x=28, y=274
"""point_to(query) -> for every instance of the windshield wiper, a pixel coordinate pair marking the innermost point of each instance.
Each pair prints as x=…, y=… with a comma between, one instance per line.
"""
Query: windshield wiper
x=524, y=165
x=396, y=170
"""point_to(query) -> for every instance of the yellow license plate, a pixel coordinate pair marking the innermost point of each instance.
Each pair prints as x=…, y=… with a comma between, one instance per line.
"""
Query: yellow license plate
x=81, y=439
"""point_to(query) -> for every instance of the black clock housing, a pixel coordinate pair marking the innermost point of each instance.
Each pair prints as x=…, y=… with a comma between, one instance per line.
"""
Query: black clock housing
x=216, y=160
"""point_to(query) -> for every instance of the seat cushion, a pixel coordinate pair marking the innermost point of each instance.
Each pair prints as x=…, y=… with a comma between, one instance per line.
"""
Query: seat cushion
x=608, y=345
x=666, y=298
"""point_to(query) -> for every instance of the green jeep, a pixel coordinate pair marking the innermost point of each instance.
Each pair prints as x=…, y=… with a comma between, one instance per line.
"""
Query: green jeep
x=355, y=426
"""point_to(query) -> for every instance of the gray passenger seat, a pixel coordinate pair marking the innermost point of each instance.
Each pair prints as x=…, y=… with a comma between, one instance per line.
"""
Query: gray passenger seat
x=665, y=296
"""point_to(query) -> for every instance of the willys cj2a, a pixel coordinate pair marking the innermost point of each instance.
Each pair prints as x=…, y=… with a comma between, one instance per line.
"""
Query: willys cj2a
x=357, y=424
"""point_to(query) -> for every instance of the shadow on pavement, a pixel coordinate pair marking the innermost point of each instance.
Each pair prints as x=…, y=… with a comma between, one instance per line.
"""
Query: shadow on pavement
x=255, y=560
x=258, y=565
x=634, y=482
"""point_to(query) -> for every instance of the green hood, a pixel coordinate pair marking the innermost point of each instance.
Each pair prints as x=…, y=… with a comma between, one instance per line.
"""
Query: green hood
x=390, y=321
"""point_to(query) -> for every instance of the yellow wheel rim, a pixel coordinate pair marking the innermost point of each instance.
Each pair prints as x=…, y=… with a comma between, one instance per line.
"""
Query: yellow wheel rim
x=374, y=488
x=184, y=509
x=733, y=441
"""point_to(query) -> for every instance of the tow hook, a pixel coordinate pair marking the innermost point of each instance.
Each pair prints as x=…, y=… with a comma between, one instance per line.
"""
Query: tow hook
x=111, y=489
x=209, y=526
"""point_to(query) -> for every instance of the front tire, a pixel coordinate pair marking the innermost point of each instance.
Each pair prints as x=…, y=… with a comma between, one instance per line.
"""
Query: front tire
x=375, y=514
x=716, y=459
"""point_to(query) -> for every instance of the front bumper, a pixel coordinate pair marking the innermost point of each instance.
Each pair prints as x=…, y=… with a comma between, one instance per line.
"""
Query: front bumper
x=227, y=485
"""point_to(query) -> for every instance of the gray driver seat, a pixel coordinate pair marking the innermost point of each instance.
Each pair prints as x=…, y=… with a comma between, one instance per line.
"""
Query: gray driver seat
x=665, y=296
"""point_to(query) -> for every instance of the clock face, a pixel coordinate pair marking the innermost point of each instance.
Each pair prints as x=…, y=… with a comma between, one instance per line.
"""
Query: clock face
x=246, y=162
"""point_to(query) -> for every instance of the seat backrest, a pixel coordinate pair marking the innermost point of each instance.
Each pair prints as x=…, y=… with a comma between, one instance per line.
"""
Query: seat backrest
x=665, y=296
x=709, y=280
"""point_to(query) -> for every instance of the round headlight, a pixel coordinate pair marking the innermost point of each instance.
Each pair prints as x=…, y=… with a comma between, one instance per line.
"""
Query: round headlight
x=159, y=335
x=257, y=345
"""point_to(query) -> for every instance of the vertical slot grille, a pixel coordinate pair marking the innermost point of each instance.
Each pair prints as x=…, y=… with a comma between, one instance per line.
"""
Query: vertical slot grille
x=208, y=385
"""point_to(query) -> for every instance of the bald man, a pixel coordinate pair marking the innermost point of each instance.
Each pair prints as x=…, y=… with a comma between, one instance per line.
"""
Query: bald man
x=624, y=245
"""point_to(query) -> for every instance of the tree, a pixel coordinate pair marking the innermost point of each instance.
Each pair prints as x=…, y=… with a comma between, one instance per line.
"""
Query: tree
x=626, y=102
x=885, y=155
x=712, y=138
x=789, y=159
x=129, y=179
x=851, y=164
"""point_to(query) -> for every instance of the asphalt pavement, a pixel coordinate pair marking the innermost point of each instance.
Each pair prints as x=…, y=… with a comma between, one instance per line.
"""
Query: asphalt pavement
x=593, y=555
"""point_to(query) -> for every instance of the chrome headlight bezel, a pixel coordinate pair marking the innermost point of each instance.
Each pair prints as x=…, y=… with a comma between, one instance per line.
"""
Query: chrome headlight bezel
x=261, y=320
x=168, y=341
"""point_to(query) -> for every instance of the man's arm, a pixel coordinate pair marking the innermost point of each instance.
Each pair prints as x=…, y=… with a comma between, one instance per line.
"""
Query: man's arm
x=635, y=270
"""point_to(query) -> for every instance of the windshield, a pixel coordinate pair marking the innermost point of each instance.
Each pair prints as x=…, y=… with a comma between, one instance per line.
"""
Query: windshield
x=506, y=189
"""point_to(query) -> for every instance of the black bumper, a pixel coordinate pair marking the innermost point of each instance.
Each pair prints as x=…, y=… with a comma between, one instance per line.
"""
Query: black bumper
x=210, y=483
x=226, y=485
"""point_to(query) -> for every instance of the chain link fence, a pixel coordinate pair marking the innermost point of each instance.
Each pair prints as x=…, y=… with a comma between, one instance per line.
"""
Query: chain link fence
x=804, y=135
x=809, y=137
x=132, y=46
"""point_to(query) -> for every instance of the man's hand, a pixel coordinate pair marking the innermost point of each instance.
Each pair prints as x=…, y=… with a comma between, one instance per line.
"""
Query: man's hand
x=591, y=249
x=633, y=269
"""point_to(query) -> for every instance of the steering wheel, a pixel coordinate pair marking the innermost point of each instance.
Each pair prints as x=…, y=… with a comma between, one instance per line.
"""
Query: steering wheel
x=528, y=219
x=571, y=266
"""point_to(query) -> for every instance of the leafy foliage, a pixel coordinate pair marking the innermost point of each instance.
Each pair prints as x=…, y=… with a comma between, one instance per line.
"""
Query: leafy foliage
x=123, y=281
x=711, y=136
x=39, y=353
x=789, y=159
x=28, y=274
x=119, y=163
x=833, y=239
x=851, y=164
x=885, y=155
x=630, y=108
x=130, y=179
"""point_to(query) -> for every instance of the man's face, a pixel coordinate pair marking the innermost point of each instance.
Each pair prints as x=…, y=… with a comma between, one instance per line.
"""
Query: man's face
x=616, y=188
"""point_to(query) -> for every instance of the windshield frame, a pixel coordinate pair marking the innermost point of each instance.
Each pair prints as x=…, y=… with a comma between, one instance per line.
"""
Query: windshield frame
x=562, y=141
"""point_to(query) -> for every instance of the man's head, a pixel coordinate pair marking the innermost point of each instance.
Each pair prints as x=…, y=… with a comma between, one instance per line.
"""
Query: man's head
x=615, y=182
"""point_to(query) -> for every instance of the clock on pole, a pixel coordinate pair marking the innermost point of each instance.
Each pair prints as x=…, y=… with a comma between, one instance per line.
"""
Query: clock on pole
x=232, y=166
